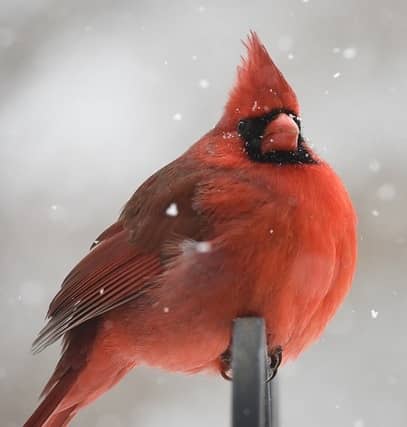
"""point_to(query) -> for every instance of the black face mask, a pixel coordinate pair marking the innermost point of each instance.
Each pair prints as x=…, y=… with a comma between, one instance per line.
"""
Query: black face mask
x=251, y=130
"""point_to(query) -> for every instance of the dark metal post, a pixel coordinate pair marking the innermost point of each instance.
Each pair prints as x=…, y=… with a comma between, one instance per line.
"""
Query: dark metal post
x=251, y=395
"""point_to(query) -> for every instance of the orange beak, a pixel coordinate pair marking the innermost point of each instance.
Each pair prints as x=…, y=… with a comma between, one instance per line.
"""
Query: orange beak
x=280, y=135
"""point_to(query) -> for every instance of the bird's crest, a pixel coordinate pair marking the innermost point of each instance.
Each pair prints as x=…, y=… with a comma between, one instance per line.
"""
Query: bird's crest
x=260, y=86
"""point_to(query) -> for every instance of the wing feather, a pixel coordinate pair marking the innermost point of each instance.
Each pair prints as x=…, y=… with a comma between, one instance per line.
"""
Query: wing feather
x=128, y=257
x=113, y=273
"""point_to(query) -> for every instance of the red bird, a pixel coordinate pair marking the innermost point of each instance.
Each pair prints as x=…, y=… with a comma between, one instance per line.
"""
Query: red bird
x=248, y=222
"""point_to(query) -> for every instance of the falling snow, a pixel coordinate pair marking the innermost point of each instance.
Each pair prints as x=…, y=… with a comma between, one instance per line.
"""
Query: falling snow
x=392, y=380
x=31, y=293
x=56, y=213
x=336, y=75
x=359, y=423
x=166, y=309
x=374, y=314
x=203, y=247
x=375, y=212
x=203, y=83
x=228, y=135
x=374, y=166
x=349, y=53
x=177, y=116
x=386, y=192
x=172, y=210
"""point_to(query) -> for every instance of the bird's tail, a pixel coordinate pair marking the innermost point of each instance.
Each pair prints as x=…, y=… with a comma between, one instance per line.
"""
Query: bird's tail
x=73, y=391
x=90, y=365
x=46, y=415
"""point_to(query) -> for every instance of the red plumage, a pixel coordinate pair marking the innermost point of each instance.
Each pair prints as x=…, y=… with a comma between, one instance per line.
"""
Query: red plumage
x=249, y=221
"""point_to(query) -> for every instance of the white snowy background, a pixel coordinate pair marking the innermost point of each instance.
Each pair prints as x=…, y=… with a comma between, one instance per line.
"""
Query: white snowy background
x=95, y=95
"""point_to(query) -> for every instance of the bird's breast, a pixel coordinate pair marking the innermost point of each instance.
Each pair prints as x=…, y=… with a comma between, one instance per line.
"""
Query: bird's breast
x=292, y=242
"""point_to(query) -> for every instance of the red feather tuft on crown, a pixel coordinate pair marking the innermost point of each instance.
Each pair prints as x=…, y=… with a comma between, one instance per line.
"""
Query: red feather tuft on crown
x=260, y=87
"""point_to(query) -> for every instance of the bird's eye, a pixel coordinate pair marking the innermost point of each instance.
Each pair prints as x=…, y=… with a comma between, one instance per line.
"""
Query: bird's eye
x=242, y=127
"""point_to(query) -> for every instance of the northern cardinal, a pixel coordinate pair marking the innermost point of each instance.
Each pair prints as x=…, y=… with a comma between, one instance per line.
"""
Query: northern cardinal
x=248, y=222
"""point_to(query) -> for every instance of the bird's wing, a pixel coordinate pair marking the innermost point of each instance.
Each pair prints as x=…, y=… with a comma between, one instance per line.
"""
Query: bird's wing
x=129, y=256
x=111, y=274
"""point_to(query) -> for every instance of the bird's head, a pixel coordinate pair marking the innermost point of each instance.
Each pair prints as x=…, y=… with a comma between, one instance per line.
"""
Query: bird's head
x=263, y=109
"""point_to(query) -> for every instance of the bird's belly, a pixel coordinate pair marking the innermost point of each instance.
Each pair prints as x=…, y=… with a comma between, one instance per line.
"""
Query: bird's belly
x=176, y=338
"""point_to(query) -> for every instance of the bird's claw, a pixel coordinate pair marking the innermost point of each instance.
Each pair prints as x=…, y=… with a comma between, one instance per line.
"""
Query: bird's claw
x=273, y=362
x=226, y=365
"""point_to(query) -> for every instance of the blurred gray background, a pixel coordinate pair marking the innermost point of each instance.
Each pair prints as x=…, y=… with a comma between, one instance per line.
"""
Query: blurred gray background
x=95, y=95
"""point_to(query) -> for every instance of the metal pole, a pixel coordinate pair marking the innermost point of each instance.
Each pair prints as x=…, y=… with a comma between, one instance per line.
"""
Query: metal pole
x=251, y=395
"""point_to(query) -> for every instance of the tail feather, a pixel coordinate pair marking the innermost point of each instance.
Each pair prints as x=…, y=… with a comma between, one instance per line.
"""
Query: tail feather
x=89, y=366
x=54, y=409
x=47, y=414
x=62, y=419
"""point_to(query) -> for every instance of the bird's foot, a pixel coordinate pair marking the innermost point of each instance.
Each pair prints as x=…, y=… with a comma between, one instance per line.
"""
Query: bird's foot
x=226, y=365
x=274, y=359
